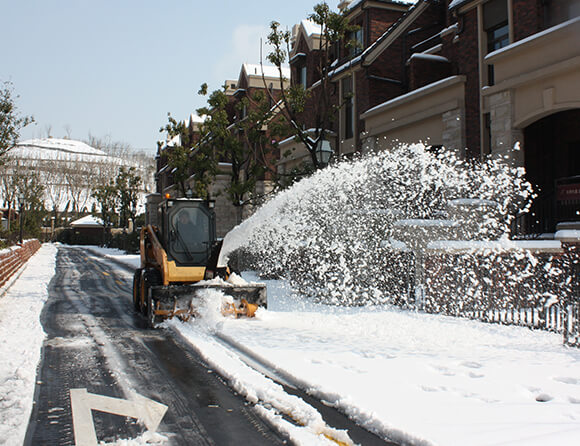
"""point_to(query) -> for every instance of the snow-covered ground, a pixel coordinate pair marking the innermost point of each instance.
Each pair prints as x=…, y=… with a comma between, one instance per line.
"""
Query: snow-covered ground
x=417, y=378
x=21, y=337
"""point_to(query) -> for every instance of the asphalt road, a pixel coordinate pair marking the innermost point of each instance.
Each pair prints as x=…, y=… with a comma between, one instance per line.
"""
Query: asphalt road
x=95, y=341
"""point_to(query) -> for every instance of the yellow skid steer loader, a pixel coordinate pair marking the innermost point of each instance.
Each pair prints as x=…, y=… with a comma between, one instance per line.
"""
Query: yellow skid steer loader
x=179, y=257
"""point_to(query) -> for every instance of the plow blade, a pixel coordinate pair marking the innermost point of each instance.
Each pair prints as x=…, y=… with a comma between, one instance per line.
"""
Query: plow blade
x=182, y=300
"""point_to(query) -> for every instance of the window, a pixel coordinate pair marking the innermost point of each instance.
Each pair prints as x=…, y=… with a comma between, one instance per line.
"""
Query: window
x=487, y=140
x=355, y=42
x=303, y=78
x=190, y=235
x=558, y=11
x=496, y=26
x=348, y=110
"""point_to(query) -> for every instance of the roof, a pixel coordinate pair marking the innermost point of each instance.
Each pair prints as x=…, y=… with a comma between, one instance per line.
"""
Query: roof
x=456, y=3
x=195, y=119
x=311, y=28
x=369, y=55
x=394, y=31
x=88, y=221
x=268, y=70
x=55, y=149
x=353, y=4
x=63, y=145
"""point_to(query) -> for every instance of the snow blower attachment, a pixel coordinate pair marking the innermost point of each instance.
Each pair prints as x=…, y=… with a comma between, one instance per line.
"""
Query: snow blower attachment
x=179, y=260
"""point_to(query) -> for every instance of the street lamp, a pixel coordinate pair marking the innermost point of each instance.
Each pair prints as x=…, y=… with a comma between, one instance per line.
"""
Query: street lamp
x=21, y=202
x=323, y=152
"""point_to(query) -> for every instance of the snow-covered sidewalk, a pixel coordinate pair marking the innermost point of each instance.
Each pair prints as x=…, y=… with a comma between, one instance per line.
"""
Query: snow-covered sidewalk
x=21, y=337
x=416, y=378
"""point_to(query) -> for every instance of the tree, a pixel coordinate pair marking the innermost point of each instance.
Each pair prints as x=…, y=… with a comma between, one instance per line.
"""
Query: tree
x=242, y=143
x=29, y=188
x=106, y=195
x=334, y=29
x=128, y=184
x=10, y=121
x=189, y=163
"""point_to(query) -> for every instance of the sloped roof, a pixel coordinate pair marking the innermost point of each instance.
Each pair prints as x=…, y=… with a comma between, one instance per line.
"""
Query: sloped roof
x=61, y=150
x=355, y=3
x=311, y=28
x=88, y=221
x=62, y=145
x=268, y=70
x=456, y=3
x=369, y=55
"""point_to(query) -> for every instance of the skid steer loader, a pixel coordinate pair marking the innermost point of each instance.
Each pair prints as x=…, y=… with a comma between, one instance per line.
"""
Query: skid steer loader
x=179, y=257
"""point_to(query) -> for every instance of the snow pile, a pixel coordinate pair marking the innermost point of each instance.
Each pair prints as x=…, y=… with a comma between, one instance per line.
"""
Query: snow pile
x=21, y=337
x=269, y=398
x=329, y=229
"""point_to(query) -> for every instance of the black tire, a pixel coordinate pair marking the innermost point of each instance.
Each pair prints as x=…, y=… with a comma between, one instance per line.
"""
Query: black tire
x=137, y=289
x=150, y=278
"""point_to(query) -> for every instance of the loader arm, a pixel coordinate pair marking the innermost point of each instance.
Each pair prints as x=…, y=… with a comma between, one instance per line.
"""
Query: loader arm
x=152, y=252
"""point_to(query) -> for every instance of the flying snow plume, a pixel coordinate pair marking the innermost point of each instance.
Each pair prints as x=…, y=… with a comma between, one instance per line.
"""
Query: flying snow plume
x=329, y=234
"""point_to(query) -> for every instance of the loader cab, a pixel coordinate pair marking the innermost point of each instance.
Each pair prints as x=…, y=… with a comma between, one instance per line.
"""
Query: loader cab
x=188, y=228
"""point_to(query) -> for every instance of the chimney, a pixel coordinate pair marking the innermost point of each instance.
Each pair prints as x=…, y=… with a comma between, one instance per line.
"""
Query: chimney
x=343, y=4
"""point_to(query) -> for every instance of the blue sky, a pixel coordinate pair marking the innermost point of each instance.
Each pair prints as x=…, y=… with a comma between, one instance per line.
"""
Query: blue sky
x=115, y=68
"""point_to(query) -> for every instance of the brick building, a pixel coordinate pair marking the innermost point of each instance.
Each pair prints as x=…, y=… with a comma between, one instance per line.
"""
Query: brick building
x=474, y=76
x=499, y=72
x=252, y=79
x=356, y=86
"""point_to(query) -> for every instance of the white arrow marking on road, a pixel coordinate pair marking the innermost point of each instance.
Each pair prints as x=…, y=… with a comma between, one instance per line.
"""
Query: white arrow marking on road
x=82, y=402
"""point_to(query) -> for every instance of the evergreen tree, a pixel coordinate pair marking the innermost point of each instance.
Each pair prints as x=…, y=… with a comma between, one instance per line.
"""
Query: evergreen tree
x=10, y=121
x=128, y=184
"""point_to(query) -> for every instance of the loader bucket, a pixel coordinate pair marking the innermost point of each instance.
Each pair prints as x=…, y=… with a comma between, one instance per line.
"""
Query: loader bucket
x=180, y=300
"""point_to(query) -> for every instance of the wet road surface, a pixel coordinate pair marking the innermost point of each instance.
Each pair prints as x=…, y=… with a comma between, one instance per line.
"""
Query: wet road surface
x=96, y=341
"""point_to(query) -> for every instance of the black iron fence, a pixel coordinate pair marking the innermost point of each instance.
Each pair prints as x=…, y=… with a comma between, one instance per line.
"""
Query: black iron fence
x=539, y=290
x=571, y=305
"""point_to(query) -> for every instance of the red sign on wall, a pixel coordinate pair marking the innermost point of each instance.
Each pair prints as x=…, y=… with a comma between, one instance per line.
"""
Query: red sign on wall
x=568, y=192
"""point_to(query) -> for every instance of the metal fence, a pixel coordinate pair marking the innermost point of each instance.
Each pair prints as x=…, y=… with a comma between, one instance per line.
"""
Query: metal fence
x=572, y=304
x=537, y=290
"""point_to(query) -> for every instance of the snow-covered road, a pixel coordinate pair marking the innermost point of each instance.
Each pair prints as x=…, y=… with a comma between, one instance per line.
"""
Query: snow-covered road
x=411, y=377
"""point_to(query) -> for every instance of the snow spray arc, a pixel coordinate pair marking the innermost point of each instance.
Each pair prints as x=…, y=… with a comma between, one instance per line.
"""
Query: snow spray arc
x=331, y=235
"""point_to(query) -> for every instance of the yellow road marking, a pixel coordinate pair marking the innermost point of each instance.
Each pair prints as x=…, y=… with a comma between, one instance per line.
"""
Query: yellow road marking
x=119, y=282
x=106, y=274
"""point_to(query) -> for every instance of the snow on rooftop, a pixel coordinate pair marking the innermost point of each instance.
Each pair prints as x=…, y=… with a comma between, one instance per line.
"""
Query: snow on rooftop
x=355, y=3
x=88, y=220
x=63, y=145
x=456, y=3
x=311, y=28
x=430, y=57
x=268, y=70
x=195, y=119
x=54, y=149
